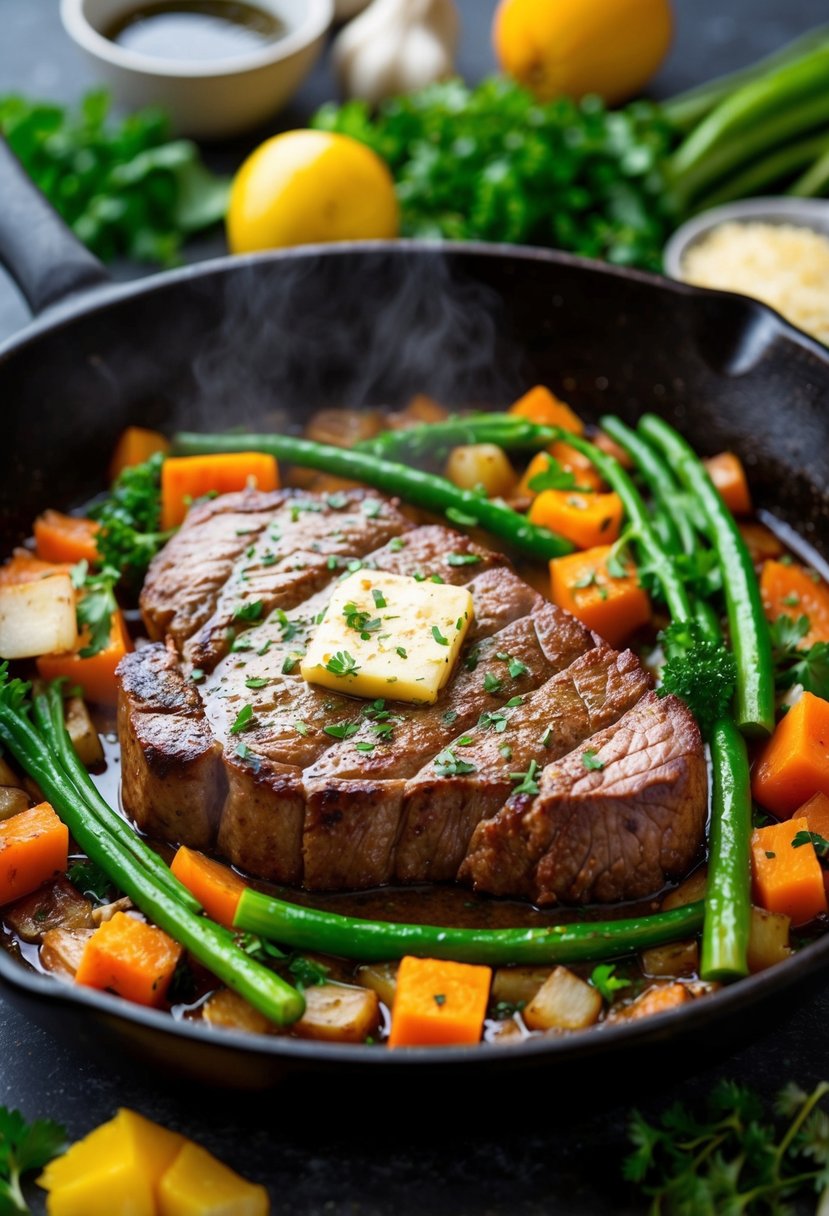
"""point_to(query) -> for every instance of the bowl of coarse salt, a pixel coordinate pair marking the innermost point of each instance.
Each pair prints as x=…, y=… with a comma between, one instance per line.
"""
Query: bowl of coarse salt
x=774, y=249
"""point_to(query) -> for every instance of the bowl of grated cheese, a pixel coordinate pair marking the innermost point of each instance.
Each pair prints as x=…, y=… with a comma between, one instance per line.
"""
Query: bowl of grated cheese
x=774, y=249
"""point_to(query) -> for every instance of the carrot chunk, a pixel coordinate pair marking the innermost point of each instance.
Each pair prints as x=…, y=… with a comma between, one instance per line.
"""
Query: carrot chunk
x=24, y=567
x=794, y=764
x=135, y=445
x=186, y=478
x=585, y=519
x=66, y=538
x=816, y=812
x=543, y=407
x=613, y=605
x=728, y=475
x=215, y=886
x=438, y=1002
x=790, y=590
x=570, y=460
x=34, y=845
x=96, y=674
x=787, y=879
x=133, y=959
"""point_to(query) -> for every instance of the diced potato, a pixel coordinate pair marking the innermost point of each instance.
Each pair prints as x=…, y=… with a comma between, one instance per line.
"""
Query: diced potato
x=380, y=978
x=229, y=1011
x=676, y=958
x=768, y=940
x=197, y=1184
x=657, y=999
x=688, y=892
x=56, y=905
x=481, y=464
x=507, y=1031
x=82, y=732
x=37, y=618
x=514, y=984
x=344, y=428
x=563, y=1002
x=12, y=801
x=423, y=627
x=62, y=950
x=106, y=911
x=338, y=1014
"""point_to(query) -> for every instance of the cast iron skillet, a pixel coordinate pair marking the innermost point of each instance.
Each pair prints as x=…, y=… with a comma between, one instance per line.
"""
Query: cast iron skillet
x=275, y=336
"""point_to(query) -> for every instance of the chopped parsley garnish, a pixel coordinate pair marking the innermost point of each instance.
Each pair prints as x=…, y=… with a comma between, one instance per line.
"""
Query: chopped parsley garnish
x=449, y=716
x=439, y=998
x=517, y=668
x=362, y=622
x=555, y=477
x=256, y=682
x=383, y=730
x=290, y=663
x=250, y=611
x=495, y=719
x=244, y=753
x=492, y=683
x=616, y=568
x=506, y=751
x=243, y=720
x=513, y=701
x=96, y=607
x=585, y=580
x=547, y=736
x=307, y=972
x=371, y=507
x=91, y=881
x=342, y=664
x=462, y=559
x=337, y=501
x=396, y=544
x=401, y=651
x=449, y=765
x=588, y=759
x=527, y=782
x=379, y=598
x=288, y=628
x=820, y=842
x=438, y=636
x=24, y=1147
x=365, y=747
x=606, y=982
x=472, y=659
x=502, y=1011
x=794, y=665
x=342, y=730
x=301, y=728
x=461, y=518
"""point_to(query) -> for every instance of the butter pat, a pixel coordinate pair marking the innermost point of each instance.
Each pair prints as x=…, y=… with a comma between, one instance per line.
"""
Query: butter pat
x=388, y=635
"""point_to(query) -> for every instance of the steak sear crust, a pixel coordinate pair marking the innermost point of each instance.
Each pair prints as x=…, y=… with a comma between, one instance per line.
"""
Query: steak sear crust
x=226, y=748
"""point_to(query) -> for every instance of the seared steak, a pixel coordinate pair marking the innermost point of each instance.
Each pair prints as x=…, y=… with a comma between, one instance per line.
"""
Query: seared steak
x=318, y=788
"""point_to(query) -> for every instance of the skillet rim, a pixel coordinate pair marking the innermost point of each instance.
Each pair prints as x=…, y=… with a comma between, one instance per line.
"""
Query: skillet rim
x=681, y=1020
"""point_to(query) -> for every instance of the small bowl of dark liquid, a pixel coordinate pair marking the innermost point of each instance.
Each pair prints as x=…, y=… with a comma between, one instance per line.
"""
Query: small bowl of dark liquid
x=217, y=66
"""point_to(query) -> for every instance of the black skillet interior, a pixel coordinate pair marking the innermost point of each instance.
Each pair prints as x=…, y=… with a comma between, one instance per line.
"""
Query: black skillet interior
x=268, y=339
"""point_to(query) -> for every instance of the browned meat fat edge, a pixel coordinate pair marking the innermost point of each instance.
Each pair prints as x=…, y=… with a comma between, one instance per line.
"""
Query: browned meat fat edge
x=298, y=807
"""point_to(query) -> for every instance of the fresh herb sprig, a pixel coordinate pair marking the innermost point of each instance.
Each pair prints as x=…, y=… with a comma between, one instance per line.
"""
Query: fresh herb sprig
x=734, y=1157
x=96, y=606
x=130, y=532
x=700, y=671
x=794, y=664
x=24, y=1147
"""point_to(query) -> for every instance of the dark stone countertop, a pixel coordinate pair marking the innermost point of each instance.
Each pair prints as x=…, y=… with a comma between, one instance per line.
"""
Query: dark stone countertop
x=532, y=1147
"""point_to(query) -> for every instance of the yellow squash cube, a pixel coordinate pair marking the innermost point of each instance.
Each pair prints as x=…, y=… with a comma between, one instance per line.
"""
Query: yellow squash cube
x=388, y=635
x=196, y=1184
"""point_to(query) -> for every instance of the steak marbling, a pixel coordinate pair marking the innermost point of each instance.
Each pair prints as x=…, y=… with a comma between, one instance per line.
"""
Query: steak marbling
x=234, y=597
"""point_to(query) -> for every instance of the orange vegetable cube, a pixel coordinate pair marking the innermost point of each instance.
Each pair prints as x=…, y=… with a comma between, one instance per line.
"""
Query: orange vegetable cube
x=215, y=886
x=570, y=460
x=96, y=674
x=24, y=567
x=136, y=445
x=186, y=478
x=66, y=538
x=787, y=879
x=130, y=958
x=728, y=475
x=614, y=606
x=543, y=407
x=585, y=519
x=760, y=541
x=438, y=1002
x=816, y=812
x=794, y=764
x=790, y=590
x=34, y=845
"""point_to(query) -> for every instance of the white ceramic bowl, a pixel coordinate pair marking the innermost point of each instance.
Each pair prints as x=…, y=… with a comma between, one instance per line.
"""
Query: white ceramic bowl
x=810, y=213
x=208, y=99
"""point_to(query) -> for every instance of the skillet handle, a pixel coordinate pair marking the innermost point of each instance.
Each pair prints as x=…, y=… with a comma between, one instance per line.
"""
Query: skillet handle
x=42, y=255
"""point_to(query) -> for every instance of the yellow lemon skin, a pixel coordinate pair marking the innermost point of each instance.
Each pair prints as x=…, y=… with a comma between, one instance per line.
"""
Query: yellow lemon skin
x=575, y=47
x=303, y=187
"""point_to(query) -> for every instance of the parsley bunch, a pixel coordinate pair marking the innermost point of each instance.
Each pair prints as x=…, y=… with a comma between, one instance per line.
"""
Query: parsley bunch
x=492, y=163
x=734, y=1159
x=24, y=1147
x=793, y=665
x=130, y=517
x=700, y=672
x=123, y=188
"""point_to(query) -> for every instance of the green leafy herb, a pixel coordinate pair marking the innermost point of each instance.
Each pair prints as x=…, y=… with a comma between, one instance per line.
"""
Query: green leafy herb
x=502, y=1011
x=448, y=765
x=792, y=665
x=288, y=663
x=588, y=759
x=493, y=720
x=365, y=747
x=249, y=611
x=301, y=728
x=371, y=507
x=342, y=664
x=513, y=701
x=461, y=518
x=701, y=672
x=24, y=1147
x=341, y=730
x=256, y=682
x=401, y=651
x=438, y=636
x=820, y=842
x=243, y=720
x=462, y=559
x=288, y=628
x=547, y=736
x=449, y=716
x=735, y=1157
x=362, y=622
x=492, y=683
x=130, y=521
x=379, y=598
x=96, y=607
x=605, y=981
x=527, y=782
x=439, y=998
x=91, y=881
x=517, y=668
x=554, y=477
x=259, y=948
x=307, y=972
x=197, y=675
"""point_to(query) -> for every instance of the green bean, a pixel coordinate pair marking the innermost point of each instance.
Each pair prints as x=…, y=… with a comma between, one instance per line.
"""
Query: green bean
x=728, y=892
x=748, y=629
x=425, y=490
x=213, y=945
x=304, y=928
x=509, y=431
x=677, y=530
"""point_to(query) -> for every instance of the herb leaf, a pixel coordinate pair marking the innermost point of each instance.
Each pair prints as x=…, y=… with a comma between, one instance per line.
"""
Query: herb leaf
x=342, y=664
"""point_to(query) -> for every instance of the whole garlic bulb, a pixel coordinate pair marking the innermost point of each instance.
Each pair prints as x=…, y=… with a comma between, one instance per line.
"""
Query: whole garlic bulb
x=396, y=46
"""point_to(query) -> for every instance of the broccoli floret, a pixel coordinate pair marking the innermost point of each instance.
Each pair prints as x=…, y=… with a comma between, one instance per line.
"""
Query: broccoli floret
x=701, y=672
x=130, y=519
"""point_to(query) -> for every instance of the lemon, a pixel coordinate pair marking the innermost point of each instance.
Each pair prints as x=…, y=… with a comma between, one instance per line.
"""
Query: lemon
x=302, y=187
